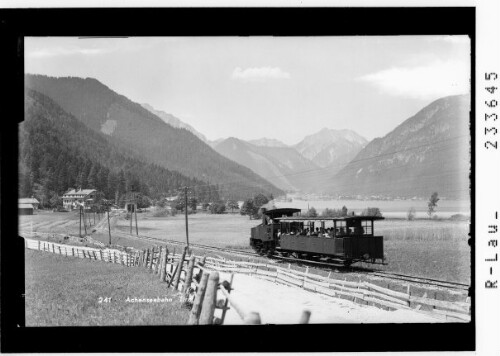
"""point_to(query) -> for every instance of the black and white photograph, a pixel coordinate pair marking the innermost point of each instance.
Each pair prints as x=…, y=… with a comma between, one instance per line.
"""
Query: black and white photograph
x=279, y=175
x=230, y=180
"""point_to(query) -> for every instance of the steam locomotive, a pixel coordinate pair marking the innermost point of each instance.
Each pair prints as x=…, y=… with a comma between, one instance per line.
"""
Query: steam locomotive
x=340, y=240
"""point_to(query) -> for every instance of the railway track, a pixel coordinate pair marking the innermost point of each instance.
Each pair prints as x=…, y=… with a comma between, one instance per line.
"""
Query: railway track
x=319, y=264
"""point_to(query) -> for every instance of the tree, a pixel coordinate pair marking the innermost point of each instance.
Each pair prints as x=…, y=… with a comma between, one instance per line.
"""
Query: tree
x=312, y=213
x=232, y=204
x=371, y=212
x=92, y=178
x=259, y=200
x=249, y=208
x=344, y=211
x=217, y=208
x=192, y=203
x=432, y=204
x=411, y=214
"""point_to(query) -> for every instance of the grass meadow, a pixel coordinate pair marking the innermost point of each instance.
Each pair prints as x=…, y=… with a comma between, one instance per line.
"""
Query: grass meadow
x=66, y=291
x=428, y=248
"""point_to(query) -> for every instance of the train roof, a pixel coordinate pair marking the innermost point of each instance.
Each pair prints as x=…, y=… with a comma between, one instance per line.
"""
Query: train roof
x=343, y=218
x=280, y=213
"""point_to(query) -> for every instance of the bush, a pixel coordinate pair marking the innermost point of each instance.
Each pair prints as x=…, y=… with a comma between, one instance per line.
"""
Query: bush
x=411, y=214
x=160, y=212
x=332, y=213
x=217, y=208
x=311, y=213
x=459, y=217
x=372, y=212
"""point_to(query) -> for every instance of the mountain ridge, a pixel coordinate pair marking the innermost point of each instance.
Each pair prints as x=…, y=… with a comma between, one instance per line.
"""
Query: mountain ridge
x=179, y=150
x=426, y=152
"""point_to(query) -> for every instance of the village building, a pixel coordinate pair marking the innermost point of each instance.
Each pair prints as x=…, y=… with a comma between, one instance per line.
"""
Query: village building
x=33, y=201
x=74, y=197
x=25, y=209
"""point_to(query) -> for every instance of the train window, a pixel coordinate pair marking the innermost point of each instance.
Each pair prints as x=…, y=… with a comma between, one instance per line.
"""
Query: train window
x=367, y=226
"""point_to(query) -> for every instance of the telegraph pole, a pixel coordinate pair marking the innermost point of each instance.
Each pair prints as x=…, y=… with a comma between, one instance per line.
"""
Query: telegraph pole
x=80, y=211
x=107, y=205
x=186, y=214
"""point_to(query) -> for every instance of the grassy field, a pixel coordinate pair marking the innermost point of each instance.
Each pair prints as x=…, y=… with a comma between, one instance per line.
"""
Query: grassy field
x=65, y=291
x=429, y=248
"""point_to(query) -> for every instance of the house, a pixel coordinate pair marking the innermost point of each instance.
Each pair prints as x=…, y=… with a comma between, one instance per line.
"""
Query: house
x=33, y=201
x=25, y=209
x=73, y=197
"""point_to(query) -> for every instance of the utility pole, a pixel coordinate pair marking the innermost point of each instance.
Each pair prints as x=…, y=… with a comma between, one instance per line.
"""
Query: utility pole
x=135, y=213
x=109, y=226
x=186, y=214
x=80, y=211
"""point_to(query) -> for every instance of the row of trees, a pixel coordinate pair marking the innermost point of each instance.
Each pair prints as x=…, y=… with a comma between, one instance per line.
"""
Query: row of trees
x=251, y=206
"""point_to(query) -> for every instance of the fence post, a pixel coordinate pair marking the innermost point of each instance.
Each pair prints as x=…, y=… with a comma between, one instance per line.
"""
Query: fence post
x=305, y=276
x=208, y=307
x=178, y=275
x=200, y=273
x=100, y=255
x=114, y=256
x=150, y=255
x=158, y=260
x=60, y=252
x=189, y=276
x=198, y=300
x=163, y=265
x=39, y=245
x=252, y=318
x=53, y=249
x=304, y=318
x=230, y=287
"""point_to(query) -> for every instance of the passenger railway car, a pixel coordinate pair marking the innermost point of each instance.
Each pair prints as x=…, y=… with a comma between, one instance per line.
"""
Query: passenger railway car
x=342, y=240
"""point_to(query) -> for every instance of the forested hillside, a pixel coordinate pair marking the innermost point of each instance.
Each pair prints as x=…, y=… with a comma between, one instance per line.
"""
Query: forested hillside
x=122, y=120
x=58, y=152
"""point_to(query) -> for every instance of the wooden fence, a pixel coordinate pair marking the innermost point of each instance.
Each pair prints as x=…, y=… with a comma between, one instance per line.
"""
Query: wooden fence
x=197, y=278
x=360, y=292
x=199, y=286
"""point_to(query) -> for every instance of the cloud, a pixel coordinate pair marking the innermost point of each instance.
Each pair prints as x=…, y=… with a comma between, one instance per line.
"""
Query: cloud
x=59, y=51
x=460, y=40
x=259, y=74
x=436, y=79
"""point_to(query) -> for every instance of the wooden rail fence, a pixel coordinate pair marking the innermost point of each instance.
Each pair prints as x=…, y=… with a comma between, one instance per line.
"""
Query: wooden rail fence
x=198, y=285
x=360, y=292
x=197, y=279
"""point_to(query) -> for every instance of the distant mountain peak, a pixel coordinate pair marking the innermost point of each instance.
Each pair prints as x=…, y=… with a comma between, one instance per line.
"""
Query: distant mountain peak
x=331, y=148
x=174, y=121
x=267, y=142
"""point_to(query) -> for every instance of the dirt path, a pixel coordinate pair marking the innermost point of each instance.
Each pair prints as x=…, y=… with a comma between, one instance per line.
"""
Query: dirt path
x=281, y=304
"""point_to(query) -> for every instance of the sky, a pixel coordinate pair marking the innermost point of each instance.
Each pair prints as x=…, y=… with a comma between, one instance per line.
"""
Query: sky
x=277, y=87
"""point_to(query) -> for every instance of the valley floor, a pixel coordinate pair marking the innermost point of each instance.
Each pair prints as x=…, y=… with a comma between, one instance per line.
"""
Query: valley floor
x=426, y=248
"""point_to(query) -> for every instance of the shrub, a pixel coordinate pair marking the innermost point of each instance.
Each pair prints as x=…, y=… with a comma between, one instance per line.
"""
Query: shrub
x=160, y=212
x=332, y=213
x=372, y=212
x=217, y=208
x=459, y=217
x=411, y=214
x=311, y=213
